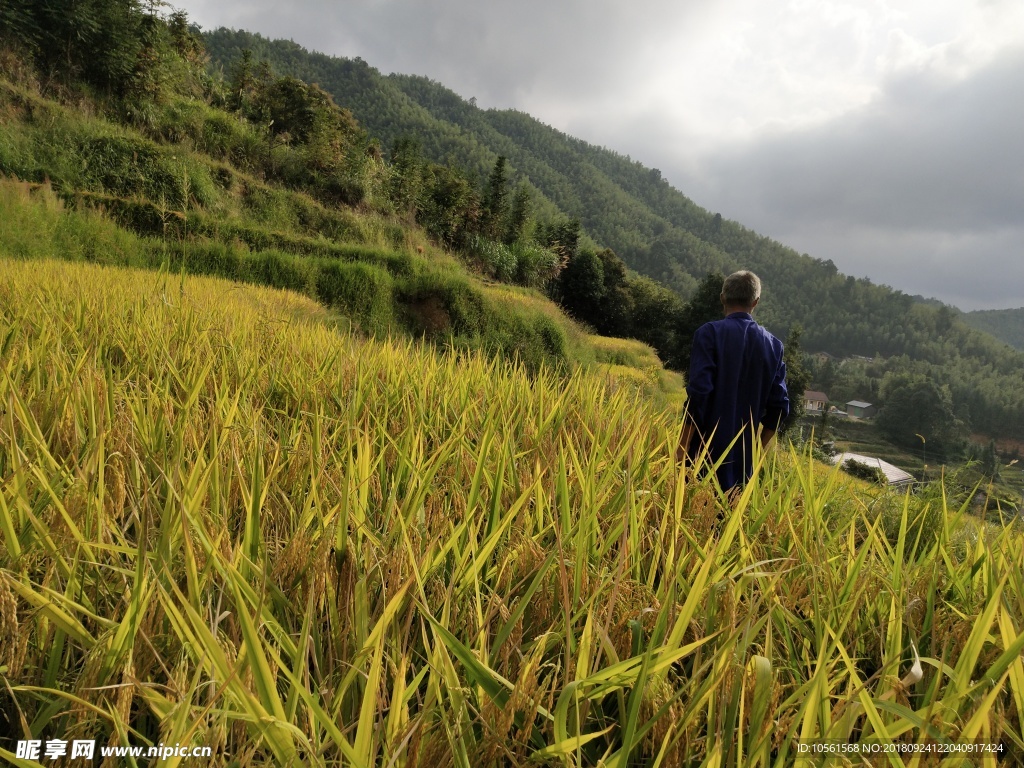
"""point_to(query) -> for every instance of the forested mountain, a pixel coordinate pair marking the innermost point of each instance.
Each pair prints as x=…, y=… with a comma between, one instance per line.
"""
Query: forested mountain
x=1005, y=324
x=621, y=204
x=657, y=231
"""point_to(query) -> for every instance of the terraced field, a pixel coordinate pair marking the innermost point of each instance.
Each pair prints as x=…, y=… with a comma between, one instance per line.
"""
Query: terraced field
x=226, y=521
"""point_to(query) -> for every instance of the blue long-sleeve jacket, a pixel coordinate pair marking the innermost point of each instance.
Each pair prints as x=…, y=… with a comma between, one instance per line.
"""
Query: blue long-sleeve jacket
x=737, y=379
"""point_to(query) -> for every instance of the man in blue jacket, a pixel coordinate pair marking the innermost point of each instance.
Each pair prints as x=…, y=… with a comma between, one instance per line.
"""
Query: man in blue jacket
x=736, y=386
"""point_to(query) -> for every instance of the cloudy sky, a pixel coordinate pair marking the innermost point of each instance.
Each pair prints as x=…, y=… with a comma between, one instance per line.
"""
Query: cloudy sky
x=886, y=135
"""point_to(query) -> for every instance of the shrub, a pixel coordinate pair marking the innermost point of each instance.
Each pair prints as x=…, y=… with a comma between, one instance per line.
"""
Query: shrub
x=362, y=291
x=864, y=471
x=551, y=336
x=535, y=265
x=497, y=259
x=216, y=258
x=464, y=307
x=283, y=270
x=533, y=339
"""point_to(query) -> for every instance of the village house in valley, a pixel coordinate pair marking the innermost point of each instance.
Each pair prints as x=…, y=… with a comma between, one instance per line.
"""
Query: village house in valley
x=815, y=402
x=858, y=409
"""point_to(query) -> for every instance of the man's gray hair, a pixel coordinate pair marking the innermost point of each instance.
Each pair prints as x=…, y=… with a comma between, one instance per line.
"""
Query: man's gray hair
x=741, y=289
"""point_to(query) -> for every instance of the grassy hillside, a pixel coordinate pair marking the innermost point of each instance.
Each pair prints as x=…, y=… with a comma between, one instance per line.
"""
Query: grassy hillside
x=1005, y=324
x=282, y=188
x=226, y=522
x=101, y=191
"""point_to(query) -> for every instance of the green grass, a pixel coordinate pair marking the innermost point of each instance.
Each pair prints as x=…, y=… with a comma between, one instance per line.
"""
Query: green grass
x=184, y=199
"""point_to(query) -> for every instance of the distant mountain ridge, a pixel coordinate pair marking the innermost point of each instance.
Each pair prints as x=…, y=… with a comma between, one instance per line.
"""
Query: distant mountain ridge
x=1005, y=324
x=658, y=231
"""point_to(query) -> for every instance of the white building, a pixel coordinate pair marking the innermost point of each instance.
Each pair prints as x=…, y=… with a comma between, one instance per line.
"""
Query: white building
x=893, y=474
x=815, y=402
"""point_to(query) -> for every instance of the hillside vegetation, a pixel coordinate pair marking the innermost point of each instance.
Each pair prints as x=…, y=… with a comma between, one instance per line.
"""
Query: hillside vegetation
x=660, y=233
x=197, y=189
x=1005, y=324
x=227, y=522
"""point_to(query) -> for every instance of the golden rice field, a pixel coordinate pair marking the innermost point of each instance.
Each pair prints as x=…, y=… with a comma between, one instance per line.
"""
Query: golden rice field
x=226, y=522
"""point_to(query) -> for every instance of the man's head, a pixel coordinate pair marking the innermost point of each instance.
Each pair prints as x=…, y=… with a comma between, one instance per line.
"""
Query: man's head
x=741, y=291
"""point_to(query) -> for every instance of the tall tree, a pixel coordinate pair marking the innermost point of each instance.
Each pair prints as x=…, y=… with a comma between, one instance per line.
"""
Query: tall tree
x=797, y=376
x=495, y=200
x=518, y=215
x=654, y=311
x=241, y=83
x=562, y=236
x=704, y=306
x=581, y=286
x=449, y=207
x=616, y=304
x=114, y=45
x=19, y=26
x=914, y=404
x=406, y=181
x=989, y=461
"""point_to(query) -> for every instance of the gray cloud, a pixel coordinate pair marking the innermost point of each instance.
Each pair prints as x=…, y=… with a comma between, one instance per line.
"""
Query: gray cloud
x=923, y=188
x=982, y=270
x=498, y=52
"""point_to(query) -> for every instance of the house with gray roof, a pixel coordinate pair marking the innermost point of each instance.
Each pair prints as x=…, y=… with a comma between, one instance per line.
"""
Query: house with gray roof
x=858, y=409
x=893, y=474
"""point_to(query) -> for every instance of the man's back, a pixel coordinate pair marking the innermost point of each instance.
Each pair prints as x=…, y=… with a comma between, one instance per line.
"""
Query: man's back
x=737, y=379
